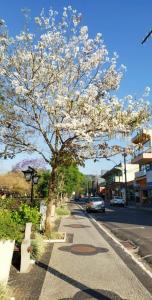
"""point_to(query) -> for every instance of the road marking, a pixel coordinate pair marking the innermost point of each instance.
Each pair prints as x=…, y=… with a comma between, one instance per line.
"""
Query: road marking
x=121, y=228
x=139, y=263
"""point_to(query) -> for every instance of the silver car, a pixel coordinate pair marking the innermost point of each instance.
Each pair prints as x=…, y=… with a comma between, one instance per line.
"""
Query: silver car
x=95, y=204
x=117, y=201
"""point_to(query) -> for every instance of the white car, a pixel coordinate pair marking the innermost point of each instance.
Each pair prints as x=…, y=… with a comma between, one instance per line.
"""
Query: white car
x=117, y=201
x=95, y=204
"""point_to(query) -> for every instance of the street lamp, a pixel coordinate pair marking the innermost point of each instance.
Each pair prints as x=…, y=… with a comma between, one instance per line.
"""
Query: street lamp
x=87, y=187
x=115, y=166
x=31, y=175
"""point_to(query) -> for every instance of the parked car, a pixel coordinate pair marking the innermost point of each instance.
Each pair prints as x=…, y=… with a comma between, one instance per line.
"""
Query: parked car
x=83, y=199
x=95, y=204
x=77, y=198
x=117, y=201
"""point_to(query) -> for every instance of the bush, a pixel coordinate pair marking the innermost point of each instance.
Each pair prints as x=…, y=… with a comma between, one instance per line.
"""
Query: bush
x=26, y=214
x=10, y=203
x=62, y=211
x=8, y=228
x=37, y=246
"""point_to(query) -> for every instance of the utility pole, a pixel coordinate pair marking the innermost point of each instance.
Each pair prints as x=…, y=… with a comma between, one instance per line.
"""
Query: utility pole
x=87, y=187
x=125, y=172
x=97, y=187
x=92, y=185
x=32, y=188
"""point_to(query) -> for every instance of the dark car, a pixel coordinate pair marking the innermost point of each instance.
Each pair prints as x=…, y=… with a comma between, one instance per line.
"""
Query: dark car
x=83, y=199
x=77, y=198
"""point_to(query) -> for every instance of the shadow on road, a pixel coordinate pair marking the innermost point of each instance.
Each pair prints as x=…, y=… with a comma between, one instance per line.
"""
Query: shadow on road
x=120, y=215
x=127, y=216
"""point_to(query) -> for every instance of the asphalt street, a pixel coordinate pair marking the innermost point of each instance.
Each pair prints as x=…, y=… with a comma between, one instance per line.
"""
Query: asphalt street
x=130, y=224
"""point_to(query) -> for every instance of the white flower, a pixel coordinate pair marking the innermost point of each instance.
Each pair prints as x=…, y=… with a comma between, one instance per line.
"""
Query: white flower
x=65, y=14
x=38, y=21
x=123, y=67
x=129, y=97
x=62, y=83
x=24, y=37
x=98, y=36
x=77, y=93
x=20, y=90
x=84, y=30
x=146, y=92
x=46, y=21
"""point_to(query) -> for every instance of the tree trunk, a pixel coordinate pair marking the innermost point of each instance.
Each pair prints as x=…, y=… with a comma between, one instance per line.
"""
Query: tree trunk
x=48, y=223
x=51, y=198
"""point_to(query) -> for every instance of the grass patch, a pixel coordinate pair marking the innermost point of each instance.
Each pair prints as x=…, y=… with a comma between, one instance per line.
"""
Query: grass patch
x=55, y=235
x=4, y=292
x=62, y=211
x=38, y=246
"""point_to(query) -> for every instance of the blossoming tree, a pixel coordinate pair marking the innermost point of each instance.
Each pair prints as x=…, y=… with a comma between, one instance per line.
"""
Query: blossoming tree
x=58, y=96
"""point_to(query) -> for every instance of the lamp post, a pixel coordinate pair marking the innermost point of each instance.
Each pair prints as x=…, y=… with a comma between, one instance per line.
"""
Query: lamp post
x=87, y=188
x=31, y=175
x=115, y=164
x=125, y=172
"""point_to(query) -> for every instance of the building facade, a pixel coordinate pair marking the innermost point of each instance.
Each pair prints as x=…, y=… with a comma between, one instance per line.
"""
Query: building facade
x=115, y=181
x=143, y=157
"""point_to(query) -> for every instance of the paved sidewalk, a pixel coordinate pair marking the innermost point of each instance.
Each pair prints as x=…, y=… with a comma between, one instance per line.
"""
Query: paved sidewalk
x=88, y=268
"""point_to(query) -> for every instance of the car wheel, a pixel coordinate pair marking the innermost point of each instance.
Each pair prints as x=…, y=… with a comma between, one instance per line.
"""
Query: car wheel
x=103, y=210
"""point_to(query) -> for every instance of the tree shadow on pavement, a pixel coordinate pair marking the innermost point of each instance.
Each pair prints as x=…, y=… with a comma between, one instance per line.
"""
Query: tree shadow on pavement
x=85, y=292
x=77, y=212
x=97, y=294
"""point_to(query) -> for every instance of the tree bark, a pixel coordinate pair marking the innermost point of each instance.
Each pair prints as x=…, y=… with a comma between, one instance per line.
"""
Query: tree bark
x=52, y=195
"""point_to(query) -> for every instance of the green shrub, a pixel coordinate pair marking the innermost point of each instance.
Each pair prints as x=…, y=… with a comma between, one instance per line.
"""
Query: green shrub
x=38, y=246
x=4, y=292
x=62, y=211
x=25, y=214
x=9, y=230
x=10, y=203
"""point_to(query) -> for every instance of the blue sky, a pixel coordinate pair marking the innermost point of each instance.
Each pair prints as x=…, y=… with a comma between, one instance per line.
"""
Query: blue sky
x=123, y=25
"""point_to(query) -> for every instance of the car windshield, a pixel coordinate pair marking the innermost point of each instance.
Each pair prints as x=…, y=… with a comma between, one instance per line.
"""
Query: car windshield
x=94, y=199
x=118, y=198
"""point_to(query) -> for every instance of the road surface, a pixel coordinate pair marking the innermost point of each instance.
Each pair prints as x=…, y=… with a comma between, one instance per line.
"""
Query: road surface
x=130, y=224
